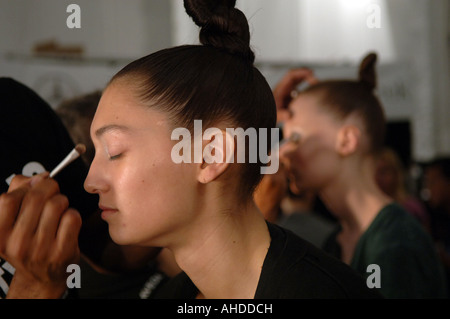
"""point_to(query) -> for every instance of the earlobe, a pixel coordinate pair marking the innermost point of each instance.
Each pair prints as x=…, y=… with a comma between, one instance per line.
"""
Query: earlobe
x=217, y=150
x=210, y=172
x=348, y=140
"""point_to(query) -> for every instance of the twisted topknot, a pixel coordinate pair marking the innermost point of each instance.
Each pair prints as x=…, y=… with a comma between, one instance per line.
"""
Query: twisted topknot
x=367, y=73
x=222, y=26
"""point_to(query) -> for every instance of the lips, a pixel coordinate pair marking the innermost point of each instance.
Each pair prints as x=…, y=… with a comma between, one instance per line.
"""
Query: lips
x=106, y=208
x=107, y=211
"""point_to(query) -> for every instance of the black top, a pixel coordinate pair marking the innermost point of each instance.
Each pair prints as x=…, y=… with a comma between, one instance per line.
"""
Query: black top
x=293, y=268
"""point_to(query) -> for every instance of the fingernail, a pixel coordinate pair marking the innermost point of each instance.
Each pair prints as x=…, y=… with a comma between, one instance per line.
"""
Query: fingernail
x=37, y=178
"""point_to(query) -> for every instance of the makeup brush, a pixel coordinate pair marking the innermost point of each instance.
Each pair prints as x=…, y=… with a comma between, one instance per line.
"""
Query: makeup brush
x=73, y=155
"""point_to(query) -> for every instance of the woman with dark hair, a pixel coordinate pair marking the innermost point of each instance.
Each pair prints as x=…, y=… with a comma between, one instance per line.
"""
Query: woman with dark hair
x=341, y=126
x=203, y=211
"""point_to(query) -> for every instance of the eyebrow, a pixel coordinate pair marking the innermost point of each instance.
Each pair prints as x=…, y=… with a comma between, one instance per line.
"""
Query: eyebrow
x=111, y=127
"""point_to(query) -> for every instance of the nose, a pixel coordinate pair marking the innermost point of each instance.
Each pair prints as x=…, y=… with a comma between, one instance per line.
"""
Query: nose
x=95, y=182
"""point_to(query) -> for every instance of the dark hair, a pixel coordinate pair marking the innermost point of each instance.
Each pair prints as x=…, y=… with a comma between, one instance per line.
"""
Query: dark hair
x=215, y=82
x=441, y=163
x=345, y=97
x=77, y=114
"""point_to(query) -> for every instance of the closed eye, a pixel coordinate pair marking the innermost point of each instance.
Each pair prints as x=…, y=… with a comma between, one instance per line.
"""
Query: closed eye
x=115, y=157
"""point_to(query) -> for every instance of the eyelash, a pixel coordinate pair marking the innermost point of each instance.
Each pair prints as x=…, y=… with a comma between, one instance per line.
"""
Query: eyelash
x=115, y=157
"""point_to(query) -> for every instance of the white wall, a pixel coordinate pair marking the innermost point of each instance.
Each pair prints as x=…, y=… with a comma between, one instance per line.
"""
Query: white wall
x=306, y=31
x=112, y=33
x=332, y=36
x=420, y=31
x=329, y=35
x=109, y=28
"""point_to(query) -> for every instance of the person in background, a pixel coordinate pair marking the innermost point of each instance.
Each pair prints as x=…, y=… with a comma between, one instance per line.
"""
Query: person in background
x=391, y=178
x=77, y=114
x=277, y=196
x=340, y=126
x=437, y=187
x=297, y=210
x=299, y=214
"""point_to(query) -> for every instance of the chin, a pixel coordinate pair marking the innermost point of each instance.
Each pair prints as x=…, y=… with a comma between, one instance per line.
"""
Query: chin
x=120, y=238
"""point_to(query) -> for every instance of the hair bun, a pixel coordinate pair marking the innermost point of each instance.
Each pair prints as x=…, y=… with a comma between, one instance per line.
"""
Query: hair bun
x=222, y=26
x=367, y=73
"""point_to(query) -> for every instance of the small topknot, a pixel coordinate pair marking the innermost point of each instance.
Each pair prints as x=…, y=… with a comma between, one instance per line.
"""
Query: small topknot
x=222, y=26
x=367, y=73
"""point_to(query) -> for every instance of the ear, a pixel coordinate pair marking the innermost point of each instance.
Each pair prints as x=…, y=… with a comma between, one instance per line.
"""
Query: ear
x=218, y=152
x=348, y=139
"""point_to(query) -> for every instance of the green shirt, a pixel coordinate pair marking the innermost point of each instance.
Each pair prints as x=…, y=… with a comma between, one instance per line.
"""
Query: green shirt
x=409, y=266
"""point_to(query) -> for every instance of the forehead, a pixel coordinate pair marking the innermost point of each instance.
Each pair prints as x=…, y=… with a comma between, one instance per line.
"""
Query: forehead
x=305, y=103
x=306, y=108
x=120, y=108
x=116, y=99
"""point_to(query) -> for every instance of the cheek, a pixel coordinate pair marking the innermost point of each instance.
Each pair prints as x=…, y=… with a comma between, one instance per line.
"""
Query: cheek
x=150, y=183
x=155, y=197
x=316, y=161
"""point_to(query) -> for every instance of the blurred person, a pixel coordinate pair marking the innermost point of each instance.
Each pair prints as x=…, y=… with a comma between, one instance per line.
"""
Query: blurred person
x=282, y=203
x=437, y=186
x=270, y=192
x=341, y=124
x=299, y=215
x=77, y=114
x=391, y=178
x=203, y=212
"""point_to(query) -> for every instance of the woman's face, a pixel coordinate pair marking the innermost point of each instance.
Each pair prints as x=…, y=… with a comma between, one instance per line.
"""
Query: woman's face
x=144, y=195
x=438, y=187
x=313, y=162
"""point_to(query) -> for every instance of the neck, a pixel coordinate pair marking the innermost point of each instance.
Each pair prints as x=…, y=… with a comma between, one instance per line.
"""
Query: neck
x=354, y=198
x=223, y=257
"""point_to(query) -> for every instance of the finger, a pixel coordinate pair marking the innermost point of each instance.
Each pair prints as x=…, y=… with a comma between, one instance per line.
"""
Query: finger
x=49, y=221
x=66, y=247
x=293, y=78
x=311, y=80
x=288, y=84
x=19, y=181
x=42, y=189
x=9, y=209
x=30, y=212
x=23, y=181
x=10, y=202
x=296, y=76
